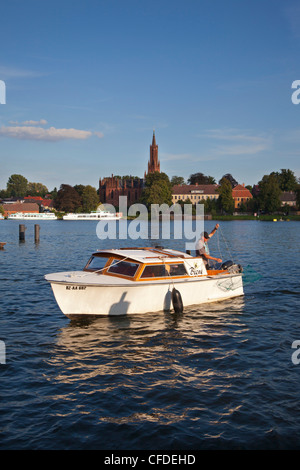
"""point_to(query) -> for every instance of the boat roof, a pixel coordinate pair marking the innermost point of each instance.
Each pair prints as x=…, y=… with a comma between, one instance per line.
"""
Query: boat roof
x=146, y=255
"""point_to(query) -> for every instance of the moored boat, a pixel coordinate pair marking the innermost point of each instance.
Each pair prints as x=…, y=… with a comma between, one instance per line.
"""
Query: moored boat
x=32, y=216
x=141, y=280
x=96, y=215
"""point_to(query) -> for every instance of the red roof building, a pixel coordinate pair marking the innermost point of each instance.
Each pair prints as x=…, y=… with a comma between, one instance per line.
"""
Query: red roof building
x=46, y=203
x=240, y=195
x=36, y=198
x=111, y=188
x=194, y=192
x=23, y=207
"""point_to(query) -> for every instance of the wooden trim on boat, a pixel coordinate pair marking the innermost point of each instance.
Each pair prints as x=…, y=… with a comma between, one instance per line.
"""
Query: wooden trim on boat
x=155, y=278
x=202, y=278
x=215, y=272
x=137, y=276
x=164, y=278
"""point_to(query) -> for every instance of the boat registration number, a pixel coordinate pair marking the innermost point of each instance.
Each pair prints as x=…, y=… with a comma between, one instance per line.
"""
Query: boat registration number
x=75, y=287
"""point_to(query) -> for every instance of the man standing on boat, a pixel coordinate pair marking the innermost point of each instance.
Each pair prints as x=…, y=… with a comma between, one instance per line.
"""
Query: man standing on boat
x=202, y=247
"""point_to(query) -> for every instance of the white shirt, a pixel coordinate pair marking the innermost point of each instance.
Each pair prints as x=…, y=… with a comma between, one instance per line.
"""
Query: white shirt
x=202, y=245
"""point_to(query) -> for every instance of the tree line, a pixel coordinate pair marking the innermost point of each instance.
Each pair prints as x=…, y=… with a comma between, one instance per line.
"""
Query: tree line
x=158, y=190
x=78, y=198
x=266, y=194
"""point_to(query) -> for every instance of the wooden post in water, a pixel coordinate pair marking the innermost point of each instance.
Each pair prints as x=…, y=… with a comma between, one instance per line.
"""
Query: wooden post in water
x=22, y=229
x=36, y=233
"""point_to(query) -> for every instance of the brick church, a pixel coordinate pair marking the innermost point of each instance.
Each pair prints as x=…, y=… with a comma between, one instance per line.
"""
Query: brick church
x=112, y=187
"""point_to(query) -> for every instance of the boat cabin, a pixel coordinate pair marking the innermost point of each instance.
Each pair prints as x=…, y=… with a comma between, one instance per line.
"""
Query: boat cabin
x=141, y=264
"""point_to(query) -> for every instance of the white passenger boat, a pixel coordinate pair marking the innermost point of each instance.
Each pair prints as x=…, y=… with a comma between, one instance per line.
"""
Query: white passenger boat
x=96, y=215
x=32, y=216
x=1, y=217
x=140, y=280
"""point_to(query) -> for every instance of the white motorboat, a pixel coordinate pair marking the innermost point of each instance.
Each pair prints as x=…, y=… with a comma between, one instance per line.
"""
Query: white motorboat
x=1, y=217
x=141, y=280
x=32, y=216
x=95, y=215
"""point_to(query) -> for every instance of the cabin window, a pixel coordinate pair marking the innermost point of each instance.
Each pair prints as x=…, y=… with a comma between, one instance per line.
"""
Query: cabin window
x=96, y=263
x=177, y=269
x=125, y=268
x=164, y=270
x=157, y=270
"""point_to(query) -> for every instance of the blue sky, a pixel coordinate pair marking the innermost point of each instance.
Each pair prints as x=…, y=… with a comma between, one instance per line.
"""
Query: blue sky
x=88, y=81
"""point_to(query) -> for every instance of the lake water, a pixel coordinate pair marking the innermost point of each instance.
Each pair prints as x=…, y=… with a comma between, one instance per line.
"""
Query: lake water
x=217, y=376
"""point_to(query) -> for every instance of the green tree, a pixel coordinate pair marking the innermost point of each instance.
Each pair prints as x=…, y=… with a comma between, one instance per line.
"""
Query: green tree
x=286, y=179
x=225, y=200
x=252, y=205
x=90, y=199
x=297, y=191
x=230, y=178
x=54, y=193
x=269, y=193
x=3, y=193
x=158, y=189
x=210, y=206
x=187, y=202
x=17, y=186
x=79, y=188
x=68, y=199
x=177, y=180
x=36, y=189
x=200, y=178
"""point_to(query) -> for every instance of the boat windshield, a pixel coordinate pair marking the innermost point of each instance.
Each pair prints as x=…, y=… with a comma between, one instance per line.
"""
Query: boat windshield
x=96, y=263
x=164, y=270
x=125, y=268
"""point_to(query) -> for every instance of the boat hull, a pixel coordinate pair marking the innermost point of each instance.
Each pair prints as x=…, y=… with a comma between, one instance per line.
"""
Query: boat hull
x=31, y=217
x=96, y=216
x=79, y=299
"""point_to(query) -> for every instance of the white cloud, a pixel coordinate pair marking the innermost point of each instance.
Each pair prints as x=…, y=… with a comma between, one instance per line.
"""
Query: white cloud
x=233, y=135
x=249, y=149
x=42, y=122
x=172, y=156
x=14, y=72
x=237, y=142
x=99, y=134
x=39, y=133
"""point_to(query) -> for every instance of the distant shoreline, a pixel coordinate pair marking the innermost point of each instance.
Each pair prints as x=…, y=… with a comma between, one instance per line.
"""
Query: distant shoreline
x=264, y=218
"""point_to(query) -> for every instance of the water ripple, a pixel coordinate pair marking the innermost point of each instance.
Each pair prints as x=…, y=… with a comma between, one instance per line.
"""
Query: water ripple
x=217, y=376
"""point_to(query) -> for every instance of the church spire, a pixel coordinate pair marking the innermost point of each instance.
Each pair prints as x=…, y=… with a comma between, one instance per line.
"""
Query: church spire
x=153, y=139
x=153, y=164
